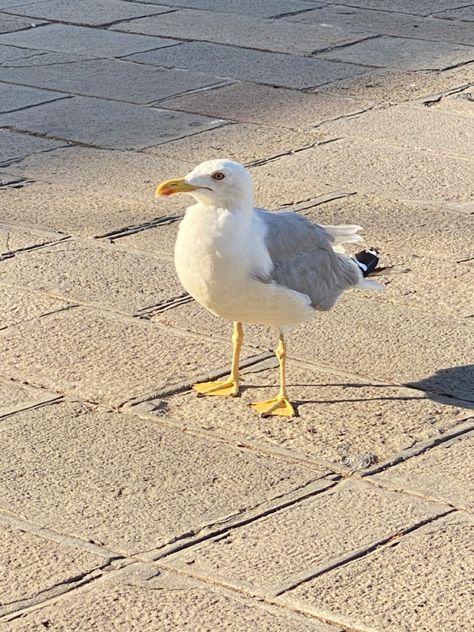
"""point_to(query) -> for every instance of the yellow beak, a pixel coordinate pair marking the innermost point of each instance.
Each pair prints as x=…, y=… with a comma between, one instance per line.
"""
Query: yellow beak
x=170, y=187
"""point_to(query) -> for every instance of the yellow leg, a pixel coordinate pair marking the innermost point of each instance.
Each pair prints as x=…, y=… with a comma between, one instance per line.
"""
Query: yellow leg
x=280, y=404
x=230, y=387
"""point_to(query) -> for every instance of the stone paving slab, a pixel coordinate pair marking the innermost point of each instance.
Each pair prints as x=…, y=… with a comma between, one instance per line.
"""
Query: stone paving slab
x=16, y=238
x=277, y=550
x=422, y=580
x=254, y=103
x=420, y=7
x=15, y=397
x=263, y=141
x=17, y=146
x=155, y=481
x=276, y=69
x=391, y=23
x=160, y=240
x=12, y=53
x=342, y=419
x=455, y=132
x=346, y=163
x=102, y=356
x=107, y=78
x=462, y=13
x=107, y=123
x=95, y=273
x=32, y=564
x=83, y=40
x=87, y=12
x=401, y=229
x=18, y=305
x=240, y=30
x=462, y=102
x=140, y=598
x=407, y=54
x=397, y=86
x=263, y=8
x=12, y=23
x=71, y=209
x=379, y=347
x=444, y=473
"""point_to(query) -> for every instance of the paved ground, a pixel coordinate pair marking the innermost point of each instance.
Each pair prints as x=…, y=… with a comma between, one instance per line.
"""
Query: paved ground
x=126, y=502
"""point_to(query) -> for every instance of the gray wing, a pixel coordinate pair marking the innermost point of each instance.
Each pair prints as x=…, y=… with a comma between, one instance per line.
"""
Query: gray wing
x=303, y=258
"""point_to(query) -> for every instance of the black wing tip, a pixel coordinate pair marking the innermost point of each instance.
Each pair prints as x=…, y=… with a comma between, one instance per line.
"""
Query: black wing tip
x=367, y=260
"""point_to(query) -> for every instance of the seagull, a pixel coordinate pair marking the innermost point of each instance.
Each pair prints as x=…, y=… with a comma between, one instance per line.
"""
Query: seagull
x=249, y=265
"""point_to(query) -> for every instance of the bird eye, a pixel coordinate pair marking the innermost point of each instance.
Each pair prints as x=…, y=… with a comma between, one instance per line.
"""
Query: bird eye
x=218, y=175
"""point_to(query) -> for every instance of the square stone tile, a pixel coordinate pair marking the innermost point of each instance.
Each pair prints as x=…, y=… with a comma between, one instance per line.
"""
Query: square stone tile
x=19, y=305
x=277, y=550
x=261, y=142
x=87, y=12
x=16, y=238
x=160, y=240
x=254, y=103
x=142, y=598
x=241, y=30
x=12, y=23
x=14, y=397
x=421, y=581
x=263, y=8
x=146, y=485
x=108, y=124
x=83, y=40
x=455, y=134
x=276, y=69
x=407, y=54
x=95, y=273
x=17, y=146
x=32, y=564
x=380, y=22
x=368, y=166
x=107, y=78
x=102, y=356
x=420, y=7
x=343, y=419
x=443, y=472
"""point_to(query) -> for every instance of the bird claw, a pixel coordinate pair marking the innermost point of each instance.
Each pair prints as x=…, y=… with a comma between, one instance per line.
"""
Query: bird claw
x=278, y=406
x=224, y=388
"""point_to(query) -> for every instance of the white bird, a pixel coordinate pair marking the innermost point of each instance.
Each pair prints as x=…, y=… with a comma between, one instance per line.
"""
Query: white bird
x=249, y=265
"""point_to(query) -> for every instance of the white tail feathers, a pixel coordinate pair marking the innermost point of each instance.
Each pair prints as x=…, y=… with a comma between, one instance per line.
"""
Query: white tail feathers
x=343, y=234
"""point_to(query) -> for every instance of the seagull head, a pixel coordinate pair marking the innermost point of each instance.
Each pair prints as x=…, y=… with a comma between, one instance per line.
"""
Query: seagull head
x=217, y=183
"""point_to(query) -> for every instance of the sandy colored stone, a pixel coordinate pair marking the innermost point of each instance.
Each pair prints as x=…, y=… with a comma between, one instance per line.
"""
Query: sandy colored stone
x=89, y=12
x=392, y=23
x=455, y=133
x=97, y=273
x=32, y=564
x=19, y=304
x=444, y=473
x=100, y=356
x=255, y=103
x=400, y=229
x=107, y=78
x=462, y=102
x=147, y=483
x=243, y=142
x=14, y=238
x=406, y=54
x=370, y=167
x=107, y=123
x=165, y=602
x=17, y=396
x=276, y=69
x=342, y=419
x=241, y=30
x=422, y=581
x=158, y=240
x=370, y=338
x=278, y=549
x=83, y=40
x=17, y=146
